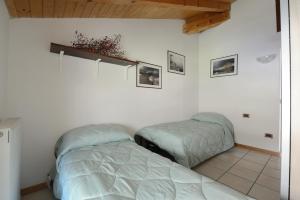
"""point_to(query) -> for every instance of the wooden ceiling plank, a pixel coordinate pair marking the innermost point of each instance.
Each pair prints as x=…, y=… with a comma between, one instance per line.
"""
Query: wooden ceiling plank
x=48, y=8
x=104, y=11
x=200, y=5
x=59, y=8
x=112, y=11
x=123, y=11
x=88, y=9
x=95, y=11
x=181, y=8
x=79, y=8
x=23, y=8
x=10, y=4
x=134, y=11
x=205, y=21
x=36, y=7
x=191, y=2
x=69, y=9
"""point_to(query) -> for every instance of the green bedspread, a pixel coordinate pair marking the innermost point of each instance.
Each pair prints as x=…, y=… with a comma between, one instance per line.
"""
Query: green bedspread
x=192, y=141
x=125, y=171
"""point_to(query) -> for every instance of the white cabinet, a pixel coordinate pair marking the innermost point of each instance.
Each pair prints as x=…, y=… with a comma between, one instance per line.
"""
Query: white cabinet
x=10, y=150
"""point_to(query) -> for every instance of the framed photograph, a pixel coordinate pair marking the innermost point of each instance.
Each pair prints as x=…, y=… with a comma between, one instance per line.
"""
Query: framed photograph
x=176, y=63
x=278, y=14
x=226, y=66
x=149, y=76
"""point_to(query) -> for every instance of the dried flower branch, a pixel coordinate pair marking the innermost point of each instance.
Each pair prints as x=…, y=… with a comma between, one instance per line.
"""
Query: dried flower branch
x=107, y=46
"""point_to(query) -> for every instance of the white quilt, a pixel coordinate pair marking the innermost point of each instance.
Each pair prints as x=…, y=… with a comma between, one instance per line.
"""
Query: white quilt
x=125, y=171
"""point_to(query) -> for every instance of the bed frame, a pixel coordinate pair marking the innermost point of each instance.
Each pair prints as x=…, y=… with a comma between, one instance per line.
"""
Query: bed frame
x=153, y=147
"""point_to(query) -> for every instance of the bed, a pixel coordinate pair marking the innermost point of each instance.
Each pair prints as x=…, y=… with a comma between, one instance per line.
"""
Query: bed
x=189, y=142
x=102, y=162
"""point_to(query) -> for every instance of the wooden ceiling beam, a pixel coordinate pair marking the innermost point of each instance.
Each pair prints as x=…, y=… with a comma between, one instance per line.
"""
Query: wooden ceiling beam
x=198, y=5
x=204, y=21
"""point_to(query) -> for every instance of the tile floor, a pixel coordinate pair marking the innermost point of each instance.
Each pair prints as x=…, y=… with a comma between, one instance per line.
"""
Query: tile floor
x=250, y=172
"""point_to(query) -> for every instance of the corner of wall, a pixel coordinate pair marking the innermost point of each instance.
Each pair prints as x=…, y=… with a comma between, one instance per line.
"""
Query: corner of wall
x=4, y=37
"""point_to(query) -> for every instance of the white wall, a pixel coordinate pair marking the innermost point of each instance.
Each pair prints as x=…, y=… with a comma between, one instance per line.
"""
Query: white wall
x=4, y=22
x=250, y=33
x=50, y=102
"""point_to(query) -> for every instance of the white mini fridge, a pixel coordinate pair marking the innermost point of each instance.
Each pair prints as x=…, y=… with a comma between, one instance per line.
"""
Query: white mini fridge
x=10, y=151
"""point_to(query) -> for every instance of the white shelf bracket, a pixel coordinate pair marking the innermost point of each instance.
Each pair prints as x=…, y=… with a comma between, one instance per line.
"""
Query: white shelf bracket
x=98, y=61
x=61, y=55
x=126, y=72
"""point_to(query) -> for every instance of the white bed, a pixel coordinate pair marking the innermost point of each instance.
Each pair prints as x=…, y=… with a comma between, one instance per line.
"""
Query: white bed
x=101, y=162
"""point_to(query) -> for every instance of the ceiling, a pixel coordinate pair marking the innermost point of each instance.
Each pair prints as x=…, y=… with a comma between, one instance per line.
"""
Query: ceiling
x=199, y=15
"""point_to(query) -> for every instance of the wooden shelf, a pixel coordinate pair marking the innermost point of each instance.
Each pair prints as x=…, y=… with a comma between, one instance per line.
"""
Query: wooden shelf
x=71, y=51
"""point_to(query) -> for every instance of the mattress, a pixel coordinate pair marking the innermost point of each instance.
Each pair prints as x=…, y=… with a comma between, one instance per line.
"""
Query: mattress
x=193, y=141
x=125, y=171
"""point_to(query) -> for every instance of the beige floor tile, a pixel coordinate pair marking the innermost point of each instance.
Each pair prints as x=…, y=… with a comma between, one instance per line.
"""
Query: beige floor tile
x=228, y=158
x=275, y=173
x=261, y=193
x=261, y=159
x=250, y=165
x=269, y=182
x=259, y=154
x=40, y=195
x=276, y=158
x=237, y=152
x=275, y=164
x=244, y=173
x=220, y=164
x=236, y=182
x=210, y=171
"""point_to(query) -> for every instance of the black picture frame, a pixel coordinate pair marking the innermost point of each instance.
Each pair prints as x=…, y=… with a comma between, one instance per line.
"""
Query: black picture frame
x=181, y=61
x=278, y=16
x=219, y=71
x=142, y=78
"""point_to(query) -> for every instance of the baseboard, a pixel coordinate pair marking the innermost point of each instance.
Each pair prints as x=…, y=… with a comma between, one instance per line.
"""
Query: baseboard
x=33, y=188
x=273, y=153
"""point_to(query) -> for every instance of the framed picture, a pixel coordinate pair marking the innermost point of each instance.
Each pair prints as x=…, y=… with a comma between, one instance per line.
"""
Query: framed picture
x=148, y=76
x=226, y=66
x=176, y=63
x=278, y=14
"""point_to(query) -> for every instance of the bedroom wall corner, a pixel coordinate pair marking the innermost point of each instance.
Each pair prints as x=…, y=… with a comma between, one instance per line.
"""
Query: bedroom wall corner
x=4, y=28
x=51, y=102
x=256, y=88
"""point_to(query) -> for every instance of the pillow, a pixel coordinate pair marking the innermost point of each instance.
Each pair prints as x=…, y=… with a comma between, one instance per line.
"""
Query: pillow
x=90, y=135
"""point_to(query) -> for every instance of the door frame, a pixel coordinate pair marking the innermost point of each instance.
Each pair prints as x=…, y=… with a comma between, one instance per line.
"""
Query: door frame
x=285, y=100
